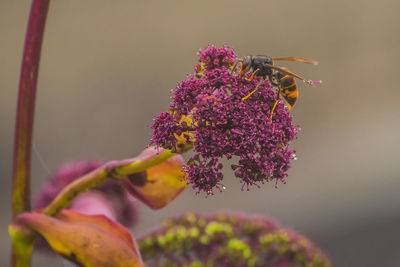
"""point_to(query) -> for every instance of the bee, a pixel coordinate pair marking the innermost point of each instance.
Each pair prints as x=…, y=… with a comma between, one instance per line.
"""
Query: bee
x=284, y=79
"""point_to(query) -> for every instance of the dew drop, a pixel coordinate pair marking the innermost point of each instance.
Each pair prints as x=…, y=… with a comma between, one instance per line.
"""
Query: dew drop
x=223, y=187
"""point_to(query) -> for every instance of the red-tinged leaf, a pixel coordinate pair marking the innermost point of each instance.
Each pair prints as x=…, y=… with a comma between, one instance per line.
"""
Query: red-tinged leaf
x=86, y=240
x=103, y=222
x=158, y=185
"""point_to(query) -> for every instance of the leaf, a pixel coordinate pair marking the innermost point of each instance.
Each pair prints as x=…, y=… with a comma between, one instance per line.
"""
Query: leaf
x=158, y=185
x=85, y=239
x=104, y=222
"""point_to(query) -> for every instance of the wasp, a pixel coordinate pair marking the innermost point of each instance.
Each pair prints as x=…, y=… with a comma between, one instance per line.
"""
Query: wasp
x=284, y=79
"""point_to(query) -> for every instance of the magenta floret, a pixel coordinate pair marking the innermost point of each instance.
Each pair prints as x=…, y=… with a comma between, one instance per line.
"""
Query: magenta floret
x=224, y=125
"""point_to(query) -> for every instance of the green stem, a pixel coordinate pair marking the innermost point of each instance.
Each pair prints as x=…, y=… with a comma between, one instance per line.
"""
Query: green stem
x=21, y=248
x=23, y=241
x=113, y=169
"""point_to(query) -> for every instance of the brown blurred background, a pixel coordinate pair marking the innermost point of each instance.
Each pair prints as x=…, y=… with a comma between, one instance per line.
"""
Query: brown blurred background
x=108, y=66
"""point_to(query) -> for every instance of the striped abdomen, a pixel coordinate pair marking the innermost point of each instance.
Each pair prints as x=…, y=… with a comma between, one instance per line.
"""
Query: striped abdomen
x=288, y=89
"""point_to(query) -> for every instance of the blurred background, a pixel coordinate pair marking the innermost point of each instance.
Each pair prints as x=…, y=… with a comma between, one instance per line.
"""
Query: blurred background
x=107, y=69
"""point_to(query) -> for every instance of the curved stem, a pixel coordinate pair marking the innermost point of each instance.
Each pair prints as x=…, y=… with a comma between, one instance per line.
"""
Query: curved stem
x=113, y=169
x=21, y=250
x=26, y=105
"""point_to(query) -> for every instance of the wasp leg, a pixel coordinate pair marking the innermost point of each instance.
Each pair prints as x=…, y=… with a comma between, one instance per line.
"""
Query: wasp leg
x=252, y=75
x=236, y=63
x=234, y=66
x=241, y=69
x=252, y=92
x=276, y=102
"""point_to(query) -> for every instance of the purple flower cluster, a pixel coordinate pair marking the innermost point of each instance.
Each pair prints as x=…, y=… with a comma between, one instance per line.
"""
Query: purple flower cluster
x=209, y=113
x=228, y=240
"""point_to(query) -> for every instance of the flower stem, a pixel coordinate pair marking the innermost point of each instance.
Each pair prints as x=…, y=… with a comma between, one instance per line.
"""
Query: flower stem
x=23, y=240
x=26, y=105
x=21, y=250
x=113, y=169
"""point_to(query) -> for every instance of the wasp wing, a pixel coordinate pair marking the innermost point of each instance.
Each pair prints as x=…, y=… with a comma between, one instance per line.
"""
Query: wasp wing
x=298, y=59
x=288, y=72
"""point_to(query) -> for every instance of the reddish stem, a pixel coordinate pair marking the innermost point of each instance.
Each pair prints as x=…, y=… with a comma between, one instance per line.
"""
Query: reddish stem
x=22, y=249
x=26, y=105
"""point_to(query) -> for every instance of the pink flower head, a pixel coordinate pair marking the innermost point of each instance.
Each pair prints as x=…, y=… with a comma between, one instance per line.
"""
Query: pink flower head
x=208, y=112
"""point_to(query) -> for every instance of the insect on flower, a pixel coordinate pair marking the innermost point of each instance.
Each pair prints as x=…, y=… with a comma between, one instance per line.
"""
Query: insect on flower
x=208, y=113
x=284, y=79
